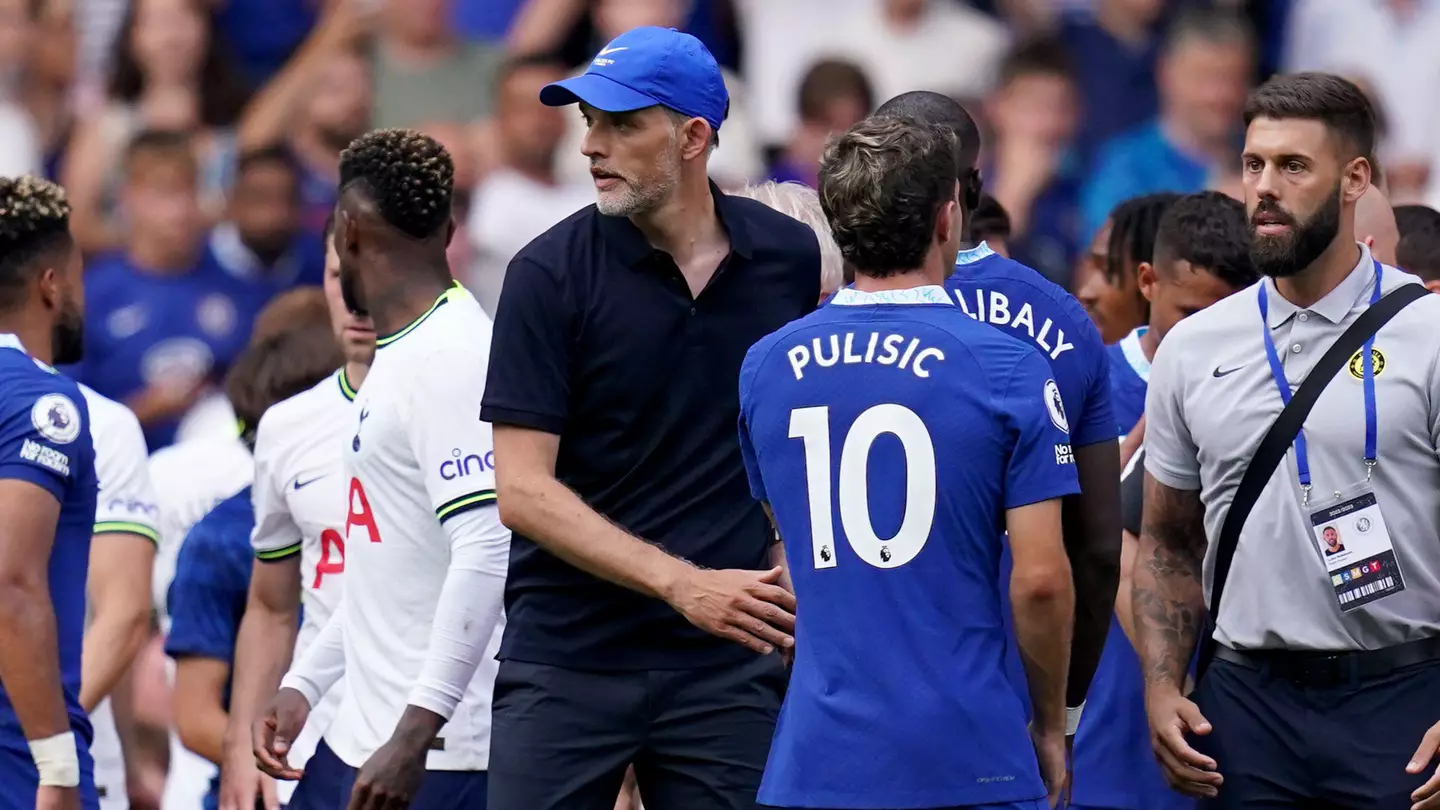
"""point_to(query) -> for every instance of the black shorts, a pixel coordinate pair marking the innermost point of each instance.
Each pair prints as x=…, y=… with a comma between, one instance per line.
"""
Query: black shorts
x=561, y=738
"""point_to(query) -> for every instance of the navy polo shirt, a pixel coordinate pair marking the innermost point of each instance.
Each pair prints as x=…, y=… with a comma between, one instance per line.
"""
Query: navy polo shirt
x=598, y=340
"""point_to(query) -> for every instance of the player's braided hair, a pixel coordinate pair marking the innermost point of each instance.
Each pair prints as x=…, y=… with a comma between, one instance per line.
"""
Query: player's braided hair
x=1133, y=226
x=34, y=218
x=409, y=176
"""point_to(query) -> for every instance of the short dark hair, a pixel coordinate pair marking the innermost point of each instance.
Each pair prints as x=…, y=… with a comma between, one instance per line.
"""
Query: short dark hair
x=34, y=223
x=304, y=305
x=164, y=144
x=1133, y=226
x=938, y=110
x=275, y=155
x=990, y=220
x=1208, y=230
x=408, y=175
x=1036, y=56
x=279, y=366
x=525, y=61
x=1419, y=248
x=829, y=79
x=1337, y=103
x=882, y=185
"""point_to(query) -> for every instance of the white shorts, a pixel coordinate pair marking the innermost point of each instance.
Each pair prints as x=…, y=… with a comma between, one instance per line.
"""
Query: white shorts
x=109, y=759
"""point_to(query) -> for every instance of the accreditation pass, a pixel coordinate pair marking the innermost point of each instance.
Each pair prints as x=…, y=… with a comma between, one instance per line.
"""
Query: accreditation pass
x=1357, y=551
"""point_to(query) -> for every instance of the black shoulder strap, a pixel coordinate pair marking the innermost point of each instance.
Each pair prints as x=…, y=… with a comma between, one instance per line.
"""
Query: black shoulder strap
x=1286, y=427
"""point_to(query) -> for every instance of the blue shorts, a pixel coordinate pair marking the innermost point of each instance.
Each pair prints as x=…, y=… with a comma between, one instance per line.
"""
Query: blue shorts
x=328, y=781
x=19, y=779
x=324, y=785
x=1036, y=804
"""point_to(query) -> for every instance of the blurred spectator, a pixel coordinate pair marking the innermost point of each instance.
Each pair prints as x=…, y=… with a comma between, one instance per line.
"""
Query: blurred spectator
x=1203, y=77
x=488, y=20
x=164, y=323
x=318, y=104
x=170, y=74
x=1029, y=165
x=20, y=144
x=573, y=30
x=782, y=41
x=1391, y=46
x=262, y=34
x=44, y=87
x=423, y=73
x=1419, y=248
x=1109, y=288
x=260, y=243
x=1375, y=224
x=735, y=162
x=990, y=223
x=834, y=95
x=521, y=198
x=1114, y=47
x=907, y=45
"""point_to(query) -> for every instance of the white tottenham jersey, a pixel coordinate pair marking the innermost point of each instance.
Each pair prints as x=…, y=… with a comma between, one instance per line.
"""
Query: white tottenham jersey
x=126, y=505
x=299, y=497
x=417, y=455
x=190, y=478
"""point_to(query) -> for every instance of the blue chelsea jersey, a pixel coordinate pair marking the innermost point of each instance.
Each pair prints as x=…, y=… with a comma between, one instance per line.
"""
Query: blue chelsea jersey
x=142, y=328
x=45, y=440
x=1012, y=297
x=207, y=596
x=1113, y=765
x=889, y=433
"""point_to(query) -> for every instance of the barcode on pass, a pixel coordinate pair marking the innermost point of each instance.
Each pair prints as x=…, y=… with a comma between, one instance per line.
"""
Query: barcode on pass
x=1363, y=591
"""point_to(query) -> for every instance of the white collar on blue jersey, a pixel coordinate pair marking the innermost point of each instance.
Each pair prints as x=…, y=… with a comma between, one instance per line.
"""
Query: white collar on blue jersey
x=928, y=294
x=1134, y=354
x=975, y=254
x=9, y=341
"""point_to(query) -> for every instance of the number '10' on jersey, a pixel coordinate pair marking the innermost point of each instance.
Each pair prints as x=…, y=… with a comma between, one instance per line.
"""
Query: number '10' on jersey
x=889, y=432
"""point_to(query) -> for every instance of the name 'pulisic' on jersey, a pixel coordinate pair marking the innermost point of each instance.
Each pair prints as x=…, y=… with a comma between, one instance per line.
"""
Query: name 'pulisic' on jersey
x=904, y=352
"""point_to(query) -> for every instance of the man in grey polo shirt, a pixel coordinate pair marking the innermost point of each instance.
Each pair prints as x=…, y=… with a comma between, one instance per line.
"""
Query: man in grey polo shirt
x=1327, y=668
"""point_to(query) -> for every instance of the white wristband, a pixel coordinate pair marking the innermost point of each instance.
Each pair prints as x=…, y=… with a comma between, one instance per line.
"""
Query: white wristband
x=1072, y=718
x=57, y=760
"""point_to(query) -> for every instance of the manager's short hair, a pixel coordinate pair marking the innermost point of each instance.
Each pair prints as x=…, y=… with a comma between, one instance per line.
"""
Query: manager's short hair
x=799, y=201
x=34, y=223
x=882, y=185
x=409, y=176
x=1208, y=231
x=1338, y=103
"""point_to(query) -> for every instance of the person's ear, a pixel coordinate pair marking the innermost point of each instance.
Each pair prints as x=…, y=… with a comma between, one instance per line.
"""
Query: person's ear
x=1145, y=279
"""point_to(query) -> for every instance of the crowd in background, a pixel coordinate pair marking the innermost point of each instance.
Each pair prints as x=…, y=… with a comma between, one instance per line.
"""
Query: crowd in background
x=199, y=140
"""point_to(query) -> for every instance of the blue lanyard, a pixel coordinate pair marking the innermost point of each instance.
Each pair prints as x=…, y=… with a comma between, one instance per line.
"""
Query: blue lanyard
x=1277, y=372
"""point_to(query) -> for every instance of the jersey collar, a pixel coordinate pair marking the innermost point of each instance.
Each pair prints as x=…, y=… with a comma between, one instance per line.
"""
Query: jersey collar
x=346, y=389
x=10, y=341
x=1134, y=354
x=975, y=254
x=927, y=294
x=446, y=297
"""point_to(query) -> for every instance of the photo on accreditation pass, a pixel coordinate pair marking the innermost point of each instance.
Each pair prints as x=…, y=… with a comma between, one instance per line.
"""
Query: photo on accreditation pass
x=1348, y=539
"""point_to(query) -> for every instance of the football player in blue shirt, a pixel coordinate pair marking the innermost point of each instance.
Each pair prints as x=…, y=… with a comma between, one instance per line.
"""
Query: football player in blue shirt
x=1200, y=256
x=47, y=505
x=893, y=439
x=208, y=595
x=1018, y=300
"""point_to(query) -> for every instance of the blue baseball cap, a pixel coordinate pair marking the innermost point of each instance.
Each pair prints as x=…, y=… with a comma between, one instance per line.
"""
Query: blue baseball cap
x=644, y=67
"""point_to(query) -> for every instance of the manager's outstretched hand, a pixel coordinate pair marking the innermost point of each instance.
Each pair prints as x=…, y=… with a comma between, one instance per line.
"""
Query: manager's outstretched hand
x=747, y=607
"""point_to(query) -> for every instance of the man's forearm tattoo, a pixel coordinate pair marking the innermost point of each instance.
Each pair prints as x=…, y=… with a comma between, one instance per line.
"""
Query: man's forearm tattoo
x=1169, y=597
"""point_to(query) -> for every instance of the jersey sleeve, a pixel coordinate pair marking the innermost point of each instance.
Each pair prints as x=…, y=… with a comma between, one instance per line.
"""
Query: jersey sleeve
x=1171, y=456
x=454, y=449
x=207, y=596
x=1096, y=420
x=127, y=503
x=748, y=371
x=1041, y=464
x=276, y=535
x=529, y=383
x=43, y=429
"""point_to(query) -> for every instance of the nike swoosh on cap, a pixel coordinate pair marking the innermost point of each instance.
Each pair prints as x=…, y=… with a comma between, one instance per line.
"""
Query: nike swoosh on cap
x=609, y=51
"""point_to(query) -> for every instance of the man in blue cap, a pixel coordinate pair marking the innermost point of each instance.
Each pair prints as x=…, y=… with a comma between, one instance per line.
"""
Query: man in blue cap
x=646, y=601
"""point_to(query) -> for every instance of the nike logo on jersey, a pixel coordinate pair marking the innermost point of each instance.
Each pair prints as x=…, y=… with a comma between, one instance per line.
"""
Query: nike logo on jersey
x=299, y=485
x=1219, y=373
